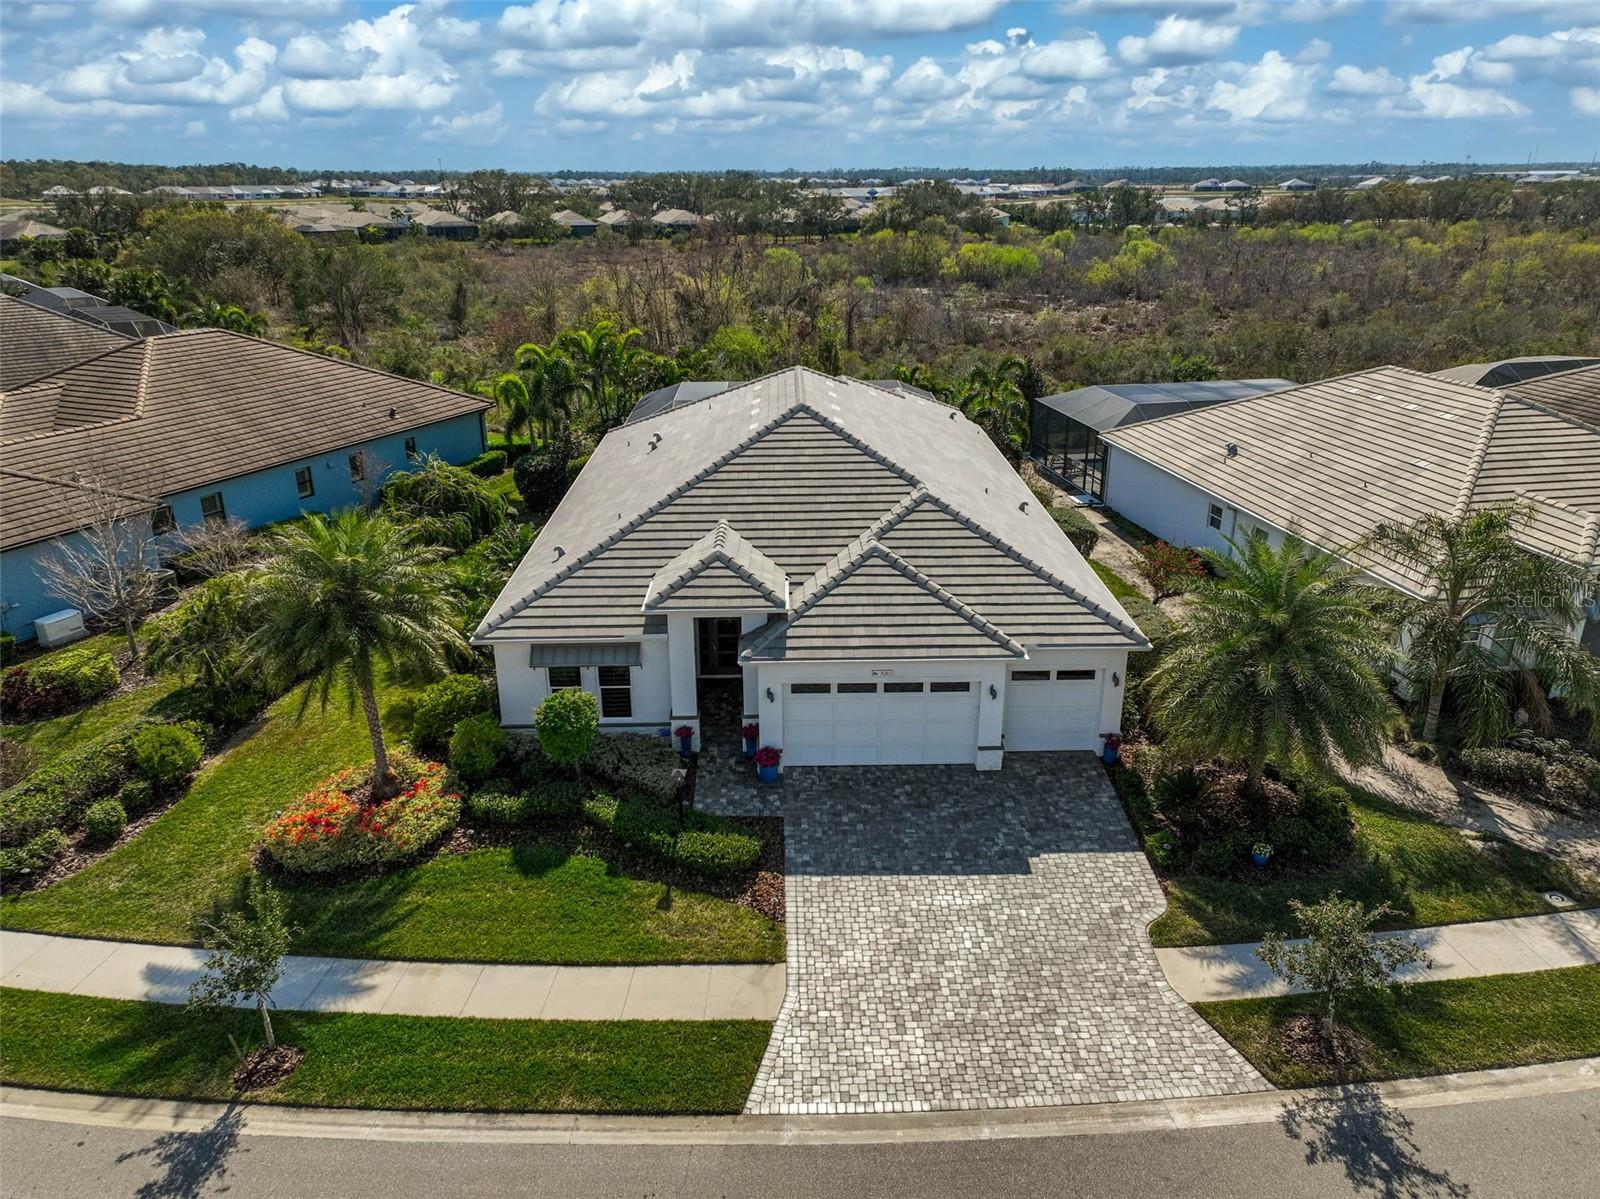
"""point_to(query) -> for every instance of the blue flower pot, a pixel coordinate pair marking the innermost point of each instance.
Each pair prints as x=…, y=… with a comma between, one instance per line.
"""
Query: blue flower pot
x=1108, y=755
x=769, y=774
x=1260, y=859
x=749, y=747
x=686, y=747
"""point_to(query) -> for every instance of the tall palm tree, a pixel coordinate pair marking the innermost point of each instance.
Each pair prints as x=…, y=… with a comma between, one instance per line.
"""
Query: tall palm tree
x=1278, y=660
x=345, y=596
x=604, y=359
x=552, y=384
x=515, y=405
x=1493, y=619
x=989, y=396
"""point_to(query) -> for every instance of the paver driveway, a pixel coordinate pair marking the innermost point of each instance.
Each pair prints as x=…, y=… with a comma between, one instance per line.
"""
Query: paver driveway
x=966, y=940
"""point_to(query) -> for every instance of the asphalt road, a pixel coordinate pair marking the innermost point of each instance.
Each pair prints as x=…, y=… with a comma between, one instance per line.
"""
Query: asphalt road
x=1546, y=1147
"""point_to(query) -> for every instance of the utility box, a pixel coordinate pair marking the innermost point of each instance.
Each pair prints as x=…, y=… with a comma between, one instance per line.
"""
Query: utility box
x=59, y=628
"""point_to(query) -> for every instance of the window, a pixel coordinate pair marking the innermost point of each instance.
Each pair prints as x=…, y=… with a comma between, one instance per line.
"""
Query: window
x=858, y=688
x=1075, y=676
x=1030, y=676
x=949, y=688
x=162, y=520
x=1214, y=516
x=563, y=678
x=616, y=691
x=358, y=467
x=902, y=688
x=303, y=483
x=810, y=688
x=211, y=507
x=411, y=449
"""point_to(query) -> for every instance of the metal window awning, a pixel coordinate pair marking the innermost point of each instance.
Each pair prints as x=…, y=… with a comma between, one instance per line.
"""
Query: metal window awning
x=605, y=653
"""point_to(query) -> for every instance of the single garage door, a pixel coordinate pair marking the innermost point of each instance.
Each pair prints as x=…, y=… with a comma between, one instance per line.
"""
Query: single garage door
x=852, y=724
x=1052, y=709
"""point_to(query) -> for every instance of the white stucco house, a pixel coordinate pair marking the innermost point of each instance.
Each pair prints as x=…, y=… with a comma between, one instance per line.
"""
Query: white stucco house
x=857, y=570
x=1330, y=460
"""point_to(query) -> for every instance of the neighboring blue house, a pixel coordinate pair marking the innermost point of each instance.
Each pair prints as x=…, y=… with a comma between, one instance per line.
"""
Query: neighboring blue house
x=209, y=425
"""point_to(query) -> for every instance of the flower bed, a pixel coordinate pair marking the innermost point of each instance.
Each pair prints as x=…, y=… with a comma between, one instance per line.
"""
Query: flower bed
x=332, y=827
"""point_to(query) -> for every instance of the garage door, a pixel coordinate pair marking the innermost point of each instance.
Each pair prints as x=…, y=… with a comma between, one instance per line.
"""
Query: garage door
x=851, y=724
x=1053, y=709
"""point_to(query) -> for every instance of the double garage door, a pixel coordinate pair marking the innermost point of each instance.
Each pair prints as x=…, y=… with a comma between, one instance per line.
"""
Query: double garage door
x=1052, y=709
x=888, y=722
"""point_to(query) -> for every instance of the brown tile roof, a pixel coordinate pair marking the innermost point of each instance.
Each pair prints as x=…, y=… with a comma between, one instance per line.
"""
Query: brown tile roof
x=182, y=410
x=35, y=342
x=1574, y=393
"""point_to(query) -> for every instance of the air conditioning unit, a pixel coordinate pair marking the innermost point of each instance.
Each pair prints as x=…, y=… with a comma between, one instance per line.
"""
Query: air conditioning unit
x=59, y=628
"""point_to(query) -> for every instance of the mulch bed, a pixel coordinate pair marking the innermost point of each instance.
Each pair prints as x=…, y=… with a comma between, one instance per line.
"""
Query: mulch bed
x=264, y=1068
x=1304, y=1042
x=81, y=852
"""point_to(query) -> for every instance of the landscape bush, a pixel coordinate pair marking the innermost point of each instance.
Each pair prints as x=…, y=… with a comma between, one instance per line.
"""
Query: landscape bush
x=164, y=753
x=567, y=724
x=444, y=705
x=104, y=821
x=1169, y=569
x=38, y=853
x=1212, y=829
x=710, y=846
x=8, y=649
x=57, y=682
x=1517, y=769
x=502, y=801
x=543, y=477
x=1078, y=528
x=56, y=795
x=1569, y=786
x=714, y=847
x=637, y=762
x=476, y=746
x=450, y=504
x=488, y=464
x=329, y=829
x=137, y=797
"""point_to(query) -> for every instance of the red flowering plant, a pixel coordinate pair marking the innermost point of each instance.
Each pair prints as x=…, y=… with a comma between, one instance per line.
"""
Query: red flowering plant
x=751, y=731
x=768, y=755
x=1169, y=569
x=329, y=828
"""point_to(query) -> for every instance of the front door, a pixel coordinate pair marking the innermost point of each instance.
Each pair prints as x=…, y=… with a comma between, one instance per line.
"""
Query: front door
x=717, y=646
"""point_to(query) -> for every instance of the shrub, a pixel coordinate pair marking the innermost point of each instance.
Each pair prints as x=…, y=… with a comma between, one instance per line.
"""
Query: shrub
x=715, y=847
x=1163, y=850
x=542, y=478
x=165, y=753
x=17, y=758
x=501, y=802
x=488, y=464
x=8, y=648
x=1514, y=768
x=37, y=854
x=56, y=795
x=567, y=724
x=1564, y=784
x=476, y=746
x=453, y=504
x=57, y=682
x=104, y=821
x=496, y=802
x=444, y=705
x=646, y=825
x=1078, y=528
x=1222, y=855
x=327, y=829
x=137, y=797
x=1169, y=569
x=637, y=763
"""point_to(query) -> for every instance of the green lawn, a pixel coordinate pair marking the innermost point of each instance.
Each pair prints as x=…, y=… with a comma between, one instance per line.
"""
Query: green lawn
x=527, y=905
x=1427, y=872
x=1115, y=583
x=71, y=1042
x=1433, y=1028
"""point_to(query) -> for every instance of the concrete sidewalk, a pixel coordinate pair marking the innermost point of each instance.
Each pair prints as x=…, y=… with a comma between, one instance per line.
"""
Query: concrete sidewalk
x=162, y=974
x=1203, y=973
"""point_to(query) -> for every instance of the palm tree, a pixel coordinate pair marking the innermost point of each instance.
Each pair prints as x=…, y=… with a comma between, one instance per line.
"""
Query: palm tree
x=344, y=596
x=1492, y=620
x=1278, y=660
x=990, y=397
x=202, y=636
x=512, y=399
x=604, y=359
x=551, y=383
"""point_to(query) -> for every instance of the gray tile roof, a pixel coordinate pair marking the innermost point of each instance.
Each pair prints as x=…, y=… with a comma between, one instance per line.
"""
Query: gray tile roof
x=1330, y=460
x=802, y=465
x=35, y=342
x=1574, y=393
x=720, y=571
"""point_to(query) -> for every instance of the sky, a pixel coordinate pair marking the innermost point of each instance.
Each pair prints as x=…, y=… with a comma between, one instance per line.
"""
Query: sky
x=808, y=84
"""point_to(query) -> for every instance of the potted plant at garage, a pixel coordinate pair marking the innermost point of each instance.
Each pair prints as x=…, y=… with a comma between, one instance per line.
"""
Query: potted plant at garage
x=685, y=735
x=1261, y=854
x=767, y=759
x=752, y=733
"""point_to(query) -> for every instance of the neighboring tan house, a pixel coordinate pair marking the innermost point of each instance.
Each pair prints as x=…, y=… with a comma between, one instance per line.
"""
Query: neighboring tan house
x=14, y=229
x=204, y=423
x=676, y=220
x=1330, y=460
x=857, y=570
x=575, y=223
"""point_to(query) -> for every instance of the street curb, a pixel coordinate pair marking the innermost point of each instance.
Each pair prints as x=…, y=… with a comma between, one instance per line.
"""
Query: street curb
x=160, y=1115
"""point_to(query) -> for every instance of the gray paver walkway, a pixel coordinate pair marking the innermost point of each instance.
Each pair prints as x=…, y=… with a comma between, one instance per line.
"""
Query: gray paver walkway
x=1202, y=973
x=965, y=940
x=162, y=974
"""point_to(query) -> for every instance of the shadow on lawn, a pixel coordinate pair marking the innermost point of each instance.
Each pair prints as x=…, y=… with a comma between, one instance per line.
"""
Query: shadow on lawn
x=1371, y=1141
x=190, y=1161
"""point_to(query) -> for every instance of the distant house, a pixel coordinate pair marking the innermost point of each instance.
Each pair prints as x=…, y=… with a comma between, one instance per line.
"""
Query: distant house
x=1372, y=182
x=439, y=223
x=575, y=223
x=676, y=220
x=617, y=218
x=205, y=423
x=14, y=229
x=1114, y=184
x=1235, y=185
x=504, y=220
x=1208, y=185
x=1297, y=185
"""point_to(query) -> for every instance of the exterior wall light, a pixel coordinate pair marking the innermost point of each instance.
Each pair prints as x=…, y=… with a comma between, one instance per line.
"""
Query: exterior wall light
x=1116, y=679
x=771, y=698
x=993, y=694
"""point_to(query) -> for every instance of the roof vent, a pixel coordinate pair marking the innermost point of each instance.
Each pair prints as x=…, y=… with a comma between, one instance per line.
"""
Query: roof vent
x=952, y=414
x=559, y=552
x=1233, y=449
x=393, y=412
x=1022, y=507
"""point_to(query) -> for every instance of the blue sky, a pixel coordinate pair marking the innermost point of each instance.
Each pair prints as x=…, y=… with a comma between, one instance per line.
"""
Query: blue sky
x=711, y=84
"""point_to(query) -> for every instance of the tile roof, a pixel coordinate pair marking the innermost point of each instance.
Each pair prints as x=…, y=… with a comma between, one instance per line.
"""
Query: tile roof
x=35, y=342
x=182, y=410
x=720, y=571
x=802, y=466
x=1331, y=460
x=1574, y=393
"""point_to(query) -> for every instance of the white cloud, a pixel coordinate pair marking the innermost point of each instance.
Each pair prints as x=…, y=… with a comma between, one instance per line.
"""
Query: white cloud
x=269, y=108
x=150, y=12
x=1435, y=96
x=1067, y=58
x=926, y=80
x=1316, y=50
x=1454, y=11
x=1273, y=89
x=1157, y=92
x=1353, y=81
x=1586, y=100
x=166, y=66
x=475, y=128
x=1178, y=40
x=195, y=129
x=27, y=101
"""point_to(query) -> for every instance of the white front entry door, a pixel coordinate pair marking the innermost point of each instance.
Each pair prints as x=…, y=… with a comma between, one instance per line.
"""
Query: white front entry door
x=889, y=722
x=1052, y=709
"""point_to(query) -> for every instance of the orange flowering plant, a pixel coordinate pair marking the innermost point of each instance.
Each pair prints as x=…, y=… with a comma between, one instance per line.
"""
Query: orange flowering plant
x=330, y=828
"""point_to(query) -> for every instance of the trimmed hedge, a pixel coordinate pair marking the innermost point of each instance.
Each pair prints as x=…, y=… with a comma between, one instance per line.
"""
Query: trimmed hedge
x=57, y=682
x=638, y=763
x=488, y=464
x=164, y=753
x=1078, y=528
x=710, y=846
x=104, y=821
x=500, y=801
x=476, y=746
x=1514, y=768
x=444, y=705
x=56, y=796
